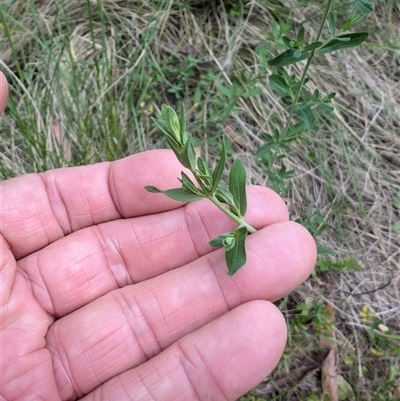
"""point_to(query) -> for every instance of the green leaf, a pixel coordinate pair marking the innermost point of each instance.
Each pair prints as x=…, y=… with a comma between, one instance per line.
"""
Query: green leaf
x=313, y=45
x=231, y=91
x=365, y=6
x=171, y=120
x=300, y=35
x=204, y=173
x=219, y=168
x=177, y=194
x=297, y=53
x=226, y=240
x=396, y=226
x=187, y=156
x=225, y=196
x=219, y=241
x=236, y=256
x=295, y=131
x=287, y=41
x=345, y=391
x=326, y=108
x=237, y=186
x=202, y=167
x=182, y=119
x=160, y=125
x=279, y=85
x=329, y=97
x=331, y=22
x=343, y=41
x=304, y=112
x=287, y=58
x=251, y=92
x=325, y=251
x=188, y=185
x=152, y=189
x=175, y=146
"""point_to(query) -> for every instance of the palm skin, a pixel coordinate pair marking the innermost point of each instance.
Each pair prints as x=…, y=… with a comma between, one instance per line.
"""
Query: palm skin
x=109, y=292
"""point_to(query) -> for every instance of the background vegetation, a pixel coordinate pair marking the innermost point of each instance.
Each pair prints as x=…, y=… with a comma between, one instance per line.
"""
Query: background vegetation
x=87, y=76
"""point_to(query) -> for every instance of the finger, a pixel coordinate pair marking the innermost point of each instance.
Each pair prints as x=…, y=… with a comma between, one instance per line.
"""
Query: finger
x=77, y=269
x=126, y=327
x=220, y=361
x=3, y=92
x=38, y=209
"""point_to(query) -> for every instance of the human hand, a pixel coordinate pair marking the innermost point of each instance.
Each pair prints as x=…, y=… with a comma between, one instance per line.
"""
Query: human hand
x=109, y=292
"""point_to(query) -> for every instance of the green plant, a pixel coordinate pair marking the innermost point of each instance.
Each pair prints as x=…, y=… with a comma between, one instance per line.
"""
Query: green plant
x=340, y=266
x=301, y=119
x=208, y=185
x=304, y=106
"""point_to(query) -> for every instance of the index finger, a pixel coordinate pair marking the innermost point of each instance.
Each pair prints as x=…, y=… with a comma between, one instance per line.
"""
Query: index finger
x=38, y=209
x=3, y=92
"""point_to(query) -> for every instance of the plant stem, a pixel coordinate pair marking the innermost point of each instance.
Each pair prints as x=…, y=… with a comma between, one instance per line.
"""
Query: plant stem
x=238, y=220
x=304, y=75
x=221, y=207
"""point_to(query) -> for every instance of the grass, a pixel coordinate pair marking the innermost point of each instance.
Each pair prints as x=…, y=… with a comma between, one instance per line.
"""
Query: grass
x=86, y=78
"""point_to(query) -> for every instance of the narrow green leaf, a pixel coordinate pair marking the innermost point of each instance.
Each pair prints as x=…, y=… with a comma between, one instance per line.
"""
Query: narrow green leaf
x=229, y=91
x=236, y=256
x=175, y=146
x=287, y=58
x=188, y=185
x=325, y=251
x=160, y=125
x=326, y=108
x=304, y=112
x=182, y=120
x=171, y=120
x=267, y=147
x=225, y=196
x=329, y=97
x=216, y=242
x=251, y=93
x=187, y=156
x=202, y=167
x=295, y=131
x=204, y=173
x=237, y=186
x=219, y=168
x=179, y=194
x=153, y=189
x=313, y=45
x=300, y=35
x=287, y=41
x=365, y=6
x=279, y=85
x=343, y=41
